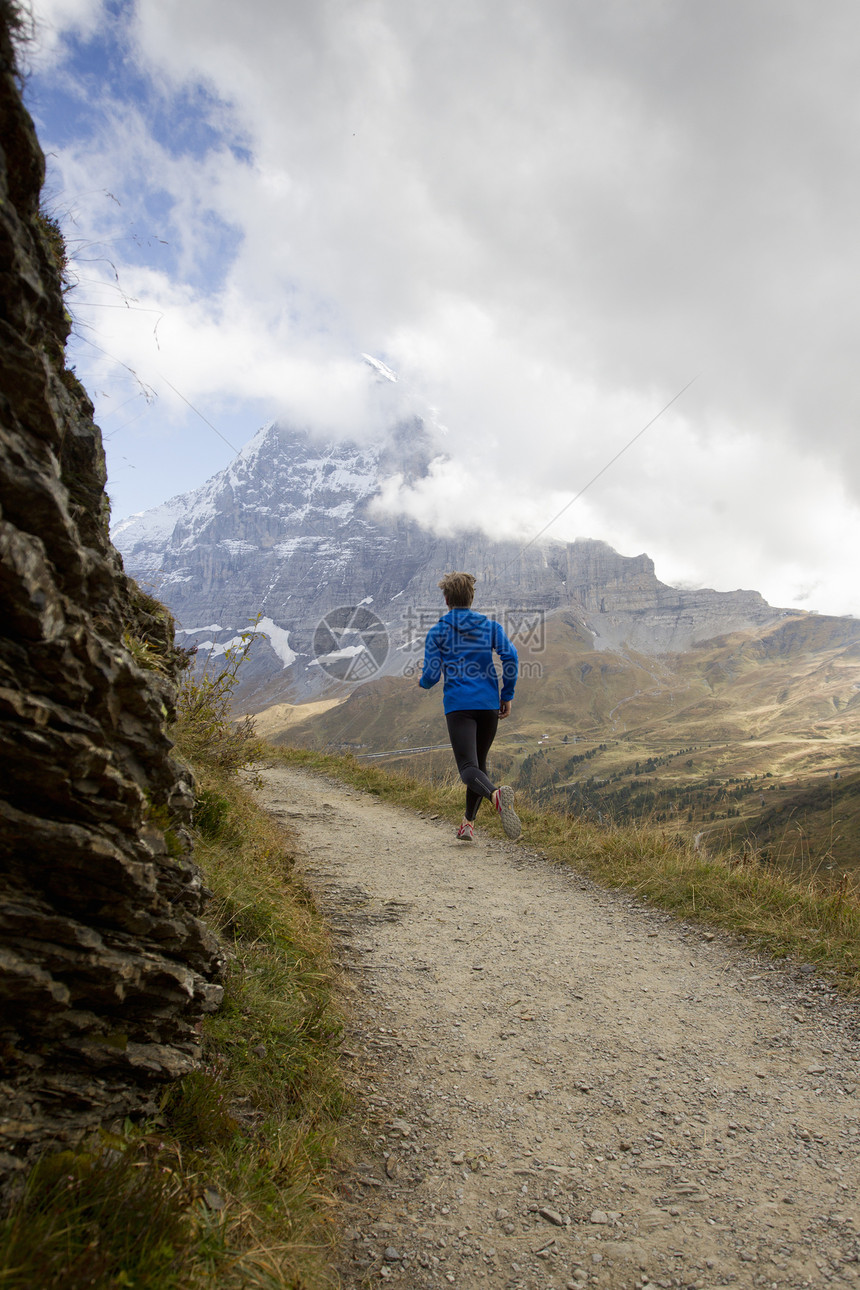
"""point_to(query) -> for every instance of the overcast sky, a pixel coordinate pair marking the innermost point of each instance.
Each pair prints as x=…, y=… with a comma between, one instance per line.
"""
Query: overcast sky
x=546, y=216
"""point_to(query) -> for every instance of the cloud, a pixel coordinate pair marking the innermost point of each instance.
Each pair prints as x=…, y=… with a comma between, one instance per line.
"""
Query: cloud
x=545, y=219
x=56, y=19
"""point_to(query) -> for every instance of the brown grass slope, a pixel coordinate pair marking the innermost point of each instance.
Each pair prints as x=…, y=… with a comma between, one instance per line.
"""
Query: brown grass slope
x=751, y=736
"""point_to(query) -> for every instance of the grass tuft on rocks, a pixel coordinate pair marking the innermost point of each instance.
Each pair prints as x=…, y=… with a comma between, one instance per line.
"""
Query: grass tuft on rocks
x=206, y=732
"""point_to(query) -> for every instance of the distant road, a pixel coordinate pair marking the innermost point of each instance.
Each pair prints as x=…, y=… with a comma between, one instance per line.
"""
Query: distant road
x=401, y=752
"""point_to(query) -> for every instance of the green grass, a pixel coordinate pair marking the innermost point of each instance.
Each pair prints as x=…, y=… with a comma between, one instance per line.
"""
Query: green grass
x=110, y=1213
x=263, y=1113
x=780, y=911
x=228, y=1187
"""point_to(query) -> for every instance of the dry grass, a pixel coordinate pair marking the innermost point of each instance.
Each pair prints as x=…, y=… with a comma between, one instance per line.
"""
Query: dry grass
x=263, y=1114
x=785, y=913
x=205, y=730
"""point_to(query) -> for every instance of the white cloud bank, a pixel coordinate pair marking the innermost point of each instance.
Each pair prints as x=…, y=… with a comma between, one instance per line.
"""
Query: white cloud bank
x=545, y=219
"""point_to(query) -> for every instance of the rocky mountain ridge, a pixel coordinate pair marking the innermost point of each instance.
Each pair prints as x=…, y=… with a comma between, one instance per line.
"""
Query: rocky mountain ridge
x=292, y=532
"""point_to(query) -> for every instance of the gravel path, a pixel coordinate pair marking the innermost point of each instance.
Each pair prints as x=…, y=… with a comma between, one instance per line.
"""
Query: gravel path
x=562, y=1087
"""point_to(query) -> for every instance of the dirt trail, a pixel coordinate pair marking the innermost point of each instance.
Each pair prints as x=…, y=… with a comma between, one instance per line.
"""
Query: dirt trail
x=563, y=1087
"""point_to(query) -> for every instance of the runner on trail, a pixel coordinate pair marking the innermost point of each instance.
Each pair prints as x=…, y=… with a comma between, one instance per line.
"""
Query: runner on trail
x=460, y=648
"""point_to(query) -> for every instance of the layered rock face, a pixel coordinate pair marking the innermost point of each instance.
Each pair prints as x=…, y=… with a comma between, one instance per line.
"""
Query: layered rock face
x=292, y=531
x=105, y=964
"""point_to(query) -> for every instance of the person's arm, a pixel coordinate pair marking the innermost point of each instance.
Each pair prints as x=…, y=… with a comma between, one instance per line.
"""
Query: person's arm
x=432, y=669
x=510, y=668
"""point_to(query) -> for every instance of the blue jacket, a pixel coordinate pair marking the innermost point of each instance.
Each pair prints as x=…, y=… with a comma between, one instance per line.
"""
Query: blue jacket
x=461, y=646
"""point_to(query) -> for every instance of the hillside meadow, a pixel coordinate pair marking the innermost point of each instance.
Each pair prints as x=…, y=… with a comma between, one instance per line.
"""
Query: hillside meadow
x=748, y=742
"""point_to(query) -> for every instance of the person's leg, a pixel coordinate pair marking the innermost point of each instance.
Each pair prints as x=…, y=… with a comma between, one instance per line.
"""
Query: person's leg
x=463, y=733
x=486, y=725
x=503, y=798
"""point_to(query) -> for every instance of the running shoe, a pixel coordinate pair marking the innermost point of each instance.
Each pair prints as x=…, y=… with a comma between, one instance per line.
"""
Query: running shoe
x=466, y=831
x=503, y=800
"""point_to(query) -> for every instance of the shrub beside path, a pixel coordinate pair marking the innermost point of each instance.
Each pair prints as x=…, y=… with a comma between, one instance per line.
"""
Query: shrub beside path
x=559, y=1087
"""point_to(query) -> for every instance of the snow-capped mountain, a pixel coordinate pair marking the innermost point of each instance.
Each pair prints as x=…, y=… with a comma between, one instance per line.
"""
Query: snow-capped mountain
x=289, y=533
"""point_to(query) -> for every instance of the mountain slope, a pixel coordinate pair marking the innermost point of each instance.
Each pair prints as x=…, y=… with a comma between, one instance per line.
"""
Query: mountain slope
x=292, y=532
x=752, y=736
x=634, y=698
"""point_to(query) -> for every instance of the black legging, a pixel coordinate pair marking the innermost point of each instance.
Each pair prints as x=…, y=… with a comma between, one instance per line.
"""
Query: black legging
x=472, y=734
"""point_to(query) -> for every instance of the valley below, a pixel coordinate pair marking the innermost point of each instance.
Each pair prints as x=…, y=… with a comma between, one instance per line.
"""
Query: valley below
x=748, y=742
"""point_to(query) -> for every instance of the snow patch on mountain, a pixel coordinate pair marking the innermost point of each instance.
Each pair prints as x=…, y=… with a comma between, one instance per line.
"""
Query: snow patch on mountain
x=214, y=649
x=279, y=639
x=382, y=369
x=151, y=528
x=346, y=651
x=253, y=446
x=236, y=546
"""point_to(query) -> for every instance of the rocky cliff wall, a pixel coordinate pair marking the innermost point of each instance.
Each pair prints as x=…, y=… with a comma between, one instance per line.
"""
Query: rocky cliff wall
x=105, y=964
